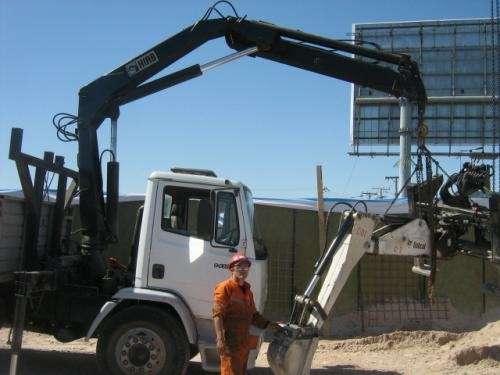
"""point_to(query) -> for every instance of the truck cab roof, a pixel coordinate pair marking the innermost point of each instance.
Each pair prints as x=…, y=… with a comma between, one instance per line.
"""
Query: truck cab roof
x=194, y=178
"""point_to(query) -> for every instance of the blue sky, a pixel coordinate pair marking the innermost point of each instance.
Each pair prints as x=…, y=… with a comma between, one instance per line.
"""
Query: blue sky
x=253, y=120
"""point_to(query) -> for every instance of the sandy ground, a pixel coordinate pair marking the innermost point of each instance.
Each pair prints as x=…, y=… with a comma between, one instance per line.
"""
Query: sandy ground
x=400, y=352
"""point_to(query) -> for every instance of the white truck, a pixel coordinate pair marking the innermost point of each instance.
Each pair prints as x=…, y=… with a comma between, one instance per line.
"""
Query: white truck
x=183, y=251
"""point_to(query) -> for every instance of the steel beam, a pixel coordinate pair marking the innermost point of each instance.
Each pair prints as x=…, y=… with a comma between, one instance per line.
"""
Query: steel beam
x=404, y=144
x=475, y=155
x=430, y=99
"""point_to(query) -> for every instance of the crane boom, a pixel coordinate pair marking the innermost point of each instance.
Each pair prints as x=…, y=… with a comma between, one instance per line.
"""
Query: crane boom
x=398, y=75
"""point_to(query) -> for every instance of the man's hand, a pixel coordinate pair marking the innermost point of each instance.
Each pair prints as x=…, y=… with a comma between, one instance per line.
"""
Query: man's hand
x=273, y=327
x=221, y=345
x=220, y=338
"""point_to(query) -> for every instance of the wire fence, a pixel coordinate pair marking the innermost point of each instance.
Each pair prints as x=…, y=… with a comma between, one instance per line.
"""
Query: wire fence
x=391, y=294
x=382, y=292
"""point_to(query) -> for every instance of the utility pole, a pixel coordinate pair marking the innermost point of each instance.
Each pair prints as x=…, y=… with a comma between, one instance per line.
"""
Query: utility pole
x=321, y=209
x=381, y=190
x=395, y=179
x=370, y=194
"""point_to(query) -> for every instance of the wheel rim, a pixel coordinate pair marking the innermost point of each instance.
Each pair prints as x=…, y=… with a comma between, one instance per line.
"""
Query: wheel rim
x=140, y=350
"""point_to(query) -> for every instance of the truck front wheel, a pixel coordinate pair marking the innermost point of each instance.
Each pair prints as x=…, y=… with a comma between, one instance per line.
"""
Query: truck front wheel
x=143, y=340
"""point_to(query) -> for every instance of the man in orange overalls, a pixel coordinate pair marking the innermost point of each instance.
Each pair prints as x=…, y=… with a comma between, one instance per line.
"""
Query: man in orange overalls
x=233, y=313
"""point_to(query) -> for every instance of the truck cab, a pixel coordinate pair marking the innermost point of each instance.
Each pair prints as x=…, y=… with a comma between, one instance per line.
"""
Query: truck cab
x=192, y=224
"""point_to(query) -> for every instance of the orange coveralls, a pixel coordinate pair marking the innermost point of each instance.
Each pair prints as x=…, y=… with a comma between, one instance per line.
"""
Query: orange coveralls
x=235, y=305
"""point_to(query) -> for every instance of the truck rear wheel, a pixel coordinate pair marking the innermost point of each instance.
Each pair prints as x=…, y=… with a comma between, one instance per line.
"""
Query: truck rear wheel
x=143, y=340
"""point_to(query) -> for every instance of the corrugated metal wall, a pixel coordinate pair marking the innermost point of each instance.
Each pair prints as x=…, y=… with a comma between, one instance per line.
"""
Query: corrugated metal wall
x=11, y=224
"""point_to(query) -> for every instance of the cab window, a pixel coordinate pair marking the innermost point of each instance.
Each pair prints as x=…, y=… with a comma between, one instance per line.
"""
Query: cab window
x=187, y=211
x=227, y=230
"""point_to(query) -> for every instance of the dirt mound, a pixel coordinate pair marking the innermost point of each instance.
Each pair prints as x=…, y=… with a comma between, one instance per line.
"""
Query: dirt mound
x=398, y=340
x=474, y=354
x=481, y=346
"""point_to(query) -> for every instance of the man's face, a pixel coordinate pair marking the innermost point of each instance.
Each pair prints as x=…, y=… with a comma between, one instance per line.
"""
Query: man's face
x=240, y=270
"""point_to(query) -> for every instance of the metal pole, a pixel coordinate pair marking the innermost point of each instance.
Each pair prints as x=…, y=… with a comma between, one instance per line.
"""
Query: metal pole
x=228, y=58
x=321, y=209
x=395, y=179
x=404, y=143
x=114, y=134
x=473, y=155
x=431, y=99
x=18, y=325
x=17, y=334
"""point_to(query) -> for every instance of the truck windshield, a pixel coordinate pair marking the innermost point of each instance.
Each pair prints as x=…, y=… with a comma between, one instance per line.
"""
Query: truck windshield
x=260, y=248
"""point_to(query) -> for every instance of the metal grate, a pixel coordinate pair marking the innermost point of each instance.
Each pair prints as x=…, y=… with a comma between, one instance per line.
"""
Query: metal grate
x=281, y=242
x=454, y=61
x=280, y=281
x=391, y=294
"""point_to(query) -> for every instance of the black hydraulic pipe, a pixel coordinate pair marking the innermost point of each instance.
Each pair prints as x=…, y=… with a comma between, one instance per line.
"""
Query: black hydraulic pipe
x=341, y=67
x=343, y=231
x=323, y=263
x=112, y=195
x=92, y=205
x=391, y=58
x=161, y=84
x=328, y=255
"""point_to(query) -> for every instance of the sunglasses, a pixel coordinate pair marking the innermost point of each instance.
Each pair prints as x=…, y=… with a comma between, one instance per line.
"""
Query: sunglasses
x=242, y=267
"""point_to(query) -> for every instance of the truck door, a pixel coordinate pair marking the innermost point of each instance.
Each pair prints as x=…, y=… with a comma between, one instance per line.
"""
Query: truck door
x=194, y=235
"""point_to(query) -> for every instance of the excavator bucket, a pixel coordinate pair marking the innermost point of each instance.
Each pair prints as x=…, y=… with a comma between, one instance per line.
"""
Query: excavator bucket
x=291, y=353
x=292, y=350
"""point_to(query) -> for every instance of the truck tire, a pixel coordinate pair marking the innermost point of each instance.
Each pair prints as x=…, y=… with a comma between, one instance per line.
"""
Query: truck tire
x=144, y=340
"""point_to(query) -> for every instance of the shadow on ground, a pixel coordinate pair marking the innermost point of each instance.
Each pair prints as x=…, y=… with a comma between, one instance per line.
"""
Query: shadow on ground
x=349, y=370
x=38, y=362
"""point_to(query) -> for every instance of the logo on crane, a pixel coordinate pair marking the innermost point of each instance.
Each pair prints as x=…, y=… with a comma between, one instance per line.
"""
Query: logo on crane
x=141, y=63
x=417, y=245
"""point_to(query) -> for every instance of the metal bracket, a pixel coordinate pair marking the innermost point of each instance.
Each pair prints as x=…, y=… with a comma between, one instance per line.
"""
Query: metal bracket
x=420, y=268
x=313, y=305
x=29, y=279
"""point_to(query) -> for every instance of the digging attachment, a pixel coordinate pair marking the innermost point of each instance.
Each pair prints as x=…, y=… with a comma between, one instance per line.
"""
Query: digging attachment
x=292, y=350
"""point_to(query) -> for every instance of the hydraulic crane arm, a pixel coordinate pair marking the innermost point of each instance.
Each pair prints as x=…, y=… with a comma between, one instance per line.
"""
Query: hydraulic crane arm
x=321, y=55
x=398, y=75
